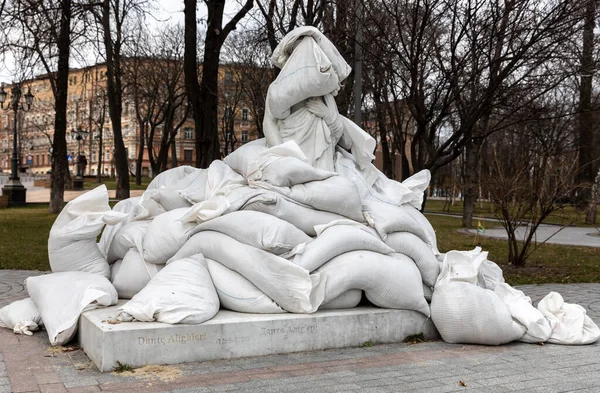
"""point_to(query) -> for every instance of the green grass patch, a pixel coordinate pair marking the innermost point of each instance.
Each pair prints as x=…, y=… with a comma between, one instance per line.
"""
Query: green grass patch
x=551, y=263
x=24, y=237
x=90, y=183
x=567, y=215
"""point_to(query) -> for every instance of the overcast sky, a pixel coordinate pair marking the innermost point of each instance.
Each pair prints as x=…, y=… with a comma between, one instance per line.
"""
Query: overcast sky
x=168, y=11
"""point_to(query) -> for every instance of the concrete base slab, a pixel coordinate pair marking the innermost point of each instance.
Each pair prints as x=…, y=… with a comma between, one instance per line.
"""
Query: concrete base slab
x=233, y=335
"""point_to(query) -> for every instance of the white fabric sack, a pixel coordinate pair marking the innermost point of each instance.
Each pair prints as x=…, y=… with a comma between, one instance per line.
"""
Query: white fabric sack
x=290, y=286
x=348, y=299
x=417, y=184
x=335, y=195
x=301, y=217
x=62, y=297
x=182, y=292
x=257, y=229
x=168, y=198
x=236, y=293
x=306, y=73
x=282, y=52
x=127, y=237
x=388, y=281
x=22, y=316
x=273, y=168
x=206, y=210
x=72, y=242
x=467, y=314
x=537, y=327
x=570, y=322
x=412, y=246
x=131, y=274
x=217, y=179
x=362, y=144
x=337, y=240
x=386, y=219
x=169, y=178
x=240, y=159
x=165, y=235
x=132, y=208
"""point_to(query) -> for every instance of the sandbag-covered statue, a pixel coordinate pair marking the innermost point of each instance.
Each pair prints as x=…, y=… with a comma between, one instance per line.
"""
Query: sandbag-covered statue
x=298, y=221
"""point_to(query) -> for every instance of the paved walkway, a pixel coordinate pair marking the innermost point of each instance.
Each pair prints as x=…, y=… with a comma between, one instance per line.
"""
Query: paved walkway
x=27, y=364
x=575, y=236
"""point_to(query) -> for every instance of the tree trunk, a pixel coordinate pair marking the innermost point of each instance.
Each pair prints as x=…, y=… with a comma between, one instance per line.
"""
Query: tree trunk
x=190, y=69
x=100, y=155
x=585, y=176
x=590, y=217
x=208, y=144
x=115, y=104
x=470, y=188
x=140, y=156
x=60, y=165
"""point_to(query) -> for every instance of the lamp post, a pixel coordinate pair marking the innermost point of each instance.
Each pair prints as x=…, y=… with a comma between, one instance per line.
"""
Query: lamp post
x=14, y=189
x=79, y=134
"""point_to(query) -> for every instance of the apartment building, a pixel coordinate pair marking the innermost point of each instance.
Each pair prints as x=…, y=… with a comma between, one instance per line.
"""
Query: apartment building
x=87, y=110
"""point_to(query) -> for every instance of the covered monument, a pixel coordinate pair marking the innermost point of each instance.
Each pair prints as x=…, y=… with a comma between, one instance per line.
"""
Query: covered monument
x=298, y=222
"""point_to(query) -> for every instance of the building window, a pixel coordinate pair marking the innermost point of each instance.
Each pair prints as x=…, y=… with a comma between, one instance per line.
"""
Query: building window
x=228, y=78
x=187, y=155
x=244, y=136
x=245, y=114
x=188, y=133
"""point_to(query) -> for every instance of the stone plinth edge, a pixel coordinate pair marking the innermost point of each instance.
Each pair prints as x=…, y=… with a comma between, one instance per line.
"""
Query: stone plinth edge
x=233, y=335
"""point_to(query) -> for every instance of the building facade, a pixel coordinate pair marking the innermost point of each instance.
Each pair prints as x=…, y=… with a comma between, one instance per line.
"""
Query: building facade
x=87, y=110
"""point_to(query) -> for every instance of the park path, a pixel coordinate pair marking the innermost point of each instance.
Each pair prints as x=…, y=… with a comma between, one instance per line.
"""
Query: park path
x=39, y=194
x=27, y=364
x=573, y=236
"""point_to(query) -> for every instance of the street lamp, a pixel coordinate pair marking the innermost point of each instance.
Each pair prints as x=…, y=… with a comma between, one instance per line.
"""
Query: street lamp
x=79, y=134
x=14, y=189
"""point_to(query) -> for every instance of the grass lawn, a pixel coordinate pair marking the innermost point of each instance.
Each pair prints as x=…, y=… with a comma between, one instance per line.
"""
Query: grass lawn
x=568, y=215
x=90, y=183
x=24, y=238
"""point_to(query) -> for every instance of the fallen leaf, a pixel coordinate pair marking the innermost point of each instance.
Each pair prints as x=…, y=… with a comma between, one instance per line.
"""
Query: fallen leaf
x=114, y=322
x=461, y=383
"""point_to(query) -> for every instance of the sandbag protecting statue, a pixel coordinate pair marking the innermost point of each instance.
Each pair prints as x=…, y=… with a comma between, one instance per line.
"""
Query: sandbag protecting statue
x=300, y=103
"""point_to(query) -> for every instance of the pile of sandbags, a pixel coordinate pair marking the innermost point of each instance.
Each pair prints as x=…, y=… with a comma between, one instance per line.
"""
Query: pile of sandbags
x=296, y=222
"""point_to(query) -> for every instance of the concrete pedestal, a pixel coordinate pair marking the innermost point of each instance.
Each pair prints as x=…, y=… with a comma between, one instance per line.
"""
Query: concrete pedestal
x=233, y=335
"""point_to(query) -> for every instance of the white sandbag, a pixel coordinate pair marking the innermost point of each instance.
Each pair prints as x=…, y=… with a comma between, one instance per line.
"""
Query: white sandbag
x=301, y=217
x=537, y=327
x=282, y=52
x=236, y=293
x=168, y=198
x=290, y=286
x=348, y=299
x=62, y=297
x=470, y=266
x=206, y=210
x=127, y=237
x=22, y=316
x=131, y=274
x=467, y=314
x=362, y=144
x=72, y=242
x=337, y=240
x=283, y=165
x=490, y=275
x=388, y=281
x=168, y=178
x=239, y=160
x=307, y=72
x=412, y=246
x=417, y=184
x=257, y=229
x=217, y=179
x=569, y=322
x=427, y=292
x=182, y=292
x=386, y=219
x=132, y=208
x=335, y=194
x=165, y=235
